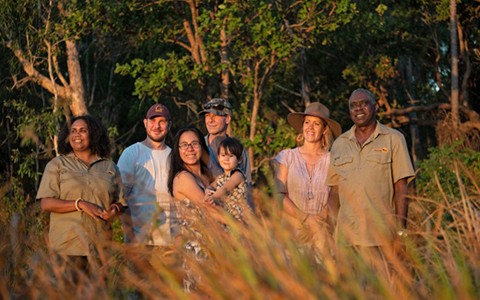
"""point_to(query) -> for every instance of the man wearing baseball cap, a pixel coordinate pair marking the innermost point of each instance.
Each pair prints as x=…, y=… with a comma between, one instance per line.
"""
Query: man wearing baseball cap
x=144, y=168
x=218, y=114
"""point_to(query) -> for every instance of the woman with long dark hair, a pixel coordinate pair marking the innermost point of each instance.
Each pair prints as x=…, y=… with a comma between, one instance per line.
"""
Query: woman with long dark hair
x=187, y=181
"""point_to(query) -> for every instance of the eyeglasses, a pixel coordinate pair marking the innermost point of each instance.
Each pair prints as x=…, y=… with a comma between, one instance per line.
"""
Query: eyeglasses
x=215, y=106
x=359, y=104
x=194, y=145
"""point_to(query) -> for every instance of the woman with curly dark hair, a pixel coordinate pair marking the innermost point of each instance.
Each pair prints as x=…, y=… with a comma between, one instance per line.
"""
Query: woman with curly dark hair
x=82, y=190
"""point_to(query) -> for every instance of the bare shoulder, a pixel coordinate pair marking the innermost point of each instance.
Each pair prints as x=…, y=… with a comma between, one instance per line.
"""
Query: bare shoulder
x=183, y=177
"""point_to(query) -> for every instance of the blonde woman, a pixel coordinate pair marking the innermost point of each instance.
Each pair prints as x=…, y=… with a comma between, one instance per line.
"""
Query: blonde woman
x=300, y=174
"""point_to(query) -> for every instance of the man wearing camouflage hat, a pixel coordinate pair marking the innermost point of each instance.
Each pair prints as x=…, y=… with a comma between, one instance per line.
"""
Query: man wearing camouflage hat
x=218, y=114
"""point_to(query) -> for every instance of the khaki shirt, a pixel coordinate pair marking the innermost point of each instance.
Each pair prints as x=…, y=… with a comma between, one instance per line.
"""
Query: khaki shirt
x=66, y=177
x=365, y=177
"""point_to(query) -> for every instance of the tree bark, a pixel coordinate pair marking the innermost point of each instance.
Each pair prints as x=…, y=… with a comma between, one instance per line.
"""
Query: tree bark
x=414, y=131
x=465, y=57
x=305, y=88
x=73, y=92
x=76, y=88
x=224, y=60
x=454, y=53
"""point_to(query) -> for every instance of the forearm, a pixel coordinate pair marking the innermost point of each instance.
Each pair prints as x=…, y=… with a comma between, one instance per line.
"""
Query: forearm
x=220, y=192
x=400, y=200
x=56, y=205
x=292, y=210
x=333, y=205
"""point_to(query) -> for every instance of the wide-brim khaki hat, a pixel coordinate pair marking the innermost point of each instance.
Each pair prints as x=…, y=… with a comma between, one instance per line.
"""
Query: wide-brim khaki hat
x=315, y=109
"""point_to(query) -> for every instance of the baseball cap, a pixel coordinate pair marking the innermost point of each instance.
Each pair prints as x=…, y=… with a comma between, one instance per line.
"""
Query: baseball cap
x=218, y=106
x=158, y=110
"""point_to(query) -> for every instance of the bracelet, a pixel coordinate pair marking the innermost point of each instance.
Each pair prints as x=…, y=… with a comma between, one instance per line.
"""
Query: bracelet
x=76, y=204
x=115, y=205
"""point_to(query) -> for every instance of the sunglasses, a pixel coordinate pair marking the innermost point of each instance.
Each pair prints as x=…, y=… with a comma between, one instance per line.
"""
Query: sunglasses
x=216, y=106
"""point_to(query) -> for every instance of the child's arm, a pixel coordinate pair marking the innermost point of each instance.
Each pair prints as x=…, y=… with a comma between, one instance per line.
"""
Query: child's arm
x=209, y=191
x=236, y=179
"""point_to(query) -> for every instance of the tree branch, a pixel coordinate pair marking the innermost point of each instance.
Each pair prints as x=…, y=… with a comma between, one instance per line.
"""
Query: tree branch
x=34, y=75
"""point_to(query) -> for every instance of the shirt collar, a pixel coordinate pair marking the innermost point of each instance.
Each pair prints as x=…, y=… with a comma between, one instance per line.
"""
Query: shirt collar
x=379, y=129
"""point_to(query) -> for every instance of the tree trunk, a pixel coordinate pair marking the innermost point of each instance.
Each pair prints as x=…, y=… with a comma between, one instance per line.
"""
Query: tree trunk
x=73, y=92
x=416, y=149
x=253, y=124
x=465, y=58
x=454, y=53
x=224, y=61
x=76, y=89
x=305, y=92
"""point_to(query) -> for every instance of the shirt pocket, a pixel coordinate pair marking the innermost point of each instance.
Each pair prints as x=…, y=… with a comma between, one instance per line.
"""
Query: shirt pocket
x=342, y=162
x=67, y=175
x=342, y=165
x=379, y=159
x=106, y=177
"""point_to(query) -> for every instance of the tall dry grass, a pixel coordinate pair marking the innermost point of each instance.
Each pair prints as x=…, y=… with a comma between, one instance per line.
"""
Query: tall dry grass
x=440, y=260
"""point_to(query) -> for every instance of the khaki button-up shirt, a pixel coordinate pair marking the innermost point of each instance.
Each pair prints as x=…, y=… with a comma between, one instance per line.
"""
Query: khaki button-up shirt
x=365, y=176
x=66, y=177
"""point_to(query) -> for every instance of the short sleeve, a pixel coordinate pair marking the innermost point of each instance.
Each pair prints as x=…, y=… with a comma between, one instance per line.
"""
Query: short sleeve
x=401, y=163
x=126, y=166
x=119, y=192
x=50, y=183
x=284, y=157
x=332, y=176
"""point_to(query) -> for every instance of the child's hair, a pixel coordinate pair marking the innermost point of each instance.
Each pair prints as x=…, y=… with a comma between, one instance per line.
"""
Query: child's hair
x=233, y=146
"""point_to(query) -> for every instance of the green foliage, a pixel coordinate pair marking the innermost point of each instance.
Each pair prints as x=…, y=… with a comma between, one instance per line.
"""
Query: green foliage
x=438, y=173
x=161, y=76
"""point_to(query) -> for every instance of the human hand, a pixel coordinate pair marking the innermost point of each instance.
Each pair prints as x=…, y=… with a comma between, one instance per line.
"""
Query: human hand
x=110, y=214
x=92, y=209
x=209, y=191
x=209, y=199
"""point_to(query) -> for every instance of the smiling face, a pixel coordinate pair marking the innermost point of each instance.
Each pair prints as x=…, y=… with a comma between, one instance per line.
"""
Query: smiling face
x=190, y=148
x=313, y=128
x=363, y=111
x=216, y=125
x=227, y=159
x=156, y=128
x=79, y=137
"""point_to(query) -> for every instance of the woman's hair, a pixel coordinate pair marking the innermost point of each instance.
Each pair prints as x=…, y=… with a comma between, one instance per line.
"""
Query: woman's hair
x=326, y=139
x=176, y=163
x=233, y=146
x=97, y=135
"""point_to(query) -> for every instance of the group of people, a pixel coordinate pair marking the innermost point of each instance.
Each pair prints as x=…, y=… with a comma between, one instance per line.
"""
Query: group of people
x=355, y=182
x=152, y=186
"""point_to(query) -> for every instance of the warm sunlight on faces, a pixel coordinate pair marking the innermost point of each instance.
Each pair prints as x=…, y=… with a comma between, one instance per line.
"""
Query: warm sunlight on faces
x=312, y=129
x=216, y=124
x=157, y=128
x=228, y=160
x=190, y=148
x=362, y=112
x=79, y=138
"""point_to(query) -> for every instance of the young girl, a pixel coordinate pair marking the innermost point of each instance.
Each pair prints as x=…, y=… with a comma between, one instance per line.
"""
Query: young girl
x=229, y=190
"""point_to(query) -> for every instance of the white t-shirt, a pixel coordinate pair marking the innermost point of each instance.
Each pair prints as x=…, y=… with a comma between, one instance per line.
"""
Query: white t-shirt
x=144, y=175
